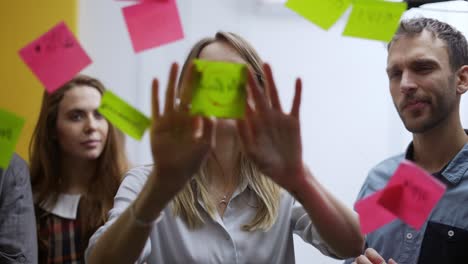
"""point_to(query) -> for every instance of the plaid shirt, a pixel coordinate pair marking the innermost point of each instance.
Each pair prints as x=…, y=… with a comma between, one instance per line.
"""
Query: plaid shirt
x=59, y=238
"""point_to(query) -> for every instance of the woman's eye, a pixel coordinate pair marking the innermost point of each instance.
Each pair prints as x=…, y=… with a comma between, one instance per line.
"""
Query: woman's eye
x=98, y=115
x=76, y=117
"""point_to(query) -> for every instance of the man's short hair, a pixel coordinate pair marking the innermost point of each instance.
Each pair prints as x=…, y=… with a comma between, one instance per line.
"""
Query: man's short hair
x=457, y=46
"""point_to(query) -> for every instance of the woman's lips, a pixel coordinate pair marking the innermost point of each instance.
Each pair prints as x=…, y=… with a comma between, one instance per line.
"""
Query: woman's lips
x=91, y=143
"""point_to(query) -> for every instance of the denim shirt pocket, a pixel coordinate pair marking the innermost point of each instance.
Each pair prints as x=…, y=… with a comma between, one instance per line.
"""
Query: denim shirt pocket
x=444, y=244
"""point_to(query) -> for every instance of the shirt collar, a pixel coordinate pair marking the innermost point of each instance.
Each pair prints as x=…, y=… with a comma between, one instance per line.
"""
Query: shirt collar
x=457, y=167
x=455, y=170
x=65, y=207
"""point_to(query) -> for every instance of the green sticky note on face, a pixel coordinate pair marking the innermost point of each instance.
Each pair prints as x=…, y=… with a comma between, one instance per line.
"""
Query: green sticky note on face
x=123, y=116
x=219, y=89
x=10, y=128
x=374, y=19
x=323, y=13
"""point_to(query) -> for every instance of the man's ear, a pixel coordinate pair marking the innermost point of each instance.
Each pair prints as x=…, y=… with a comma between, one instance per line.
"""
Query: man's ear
x=462, y=79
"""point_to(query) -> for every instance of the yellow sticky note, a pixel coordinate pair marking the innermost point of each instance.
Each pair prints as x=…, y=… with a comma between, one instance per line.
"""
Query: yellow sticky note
x=323, y=13
x=374, y=19
x=220, y=89
x=10, y=128
x=123, y=116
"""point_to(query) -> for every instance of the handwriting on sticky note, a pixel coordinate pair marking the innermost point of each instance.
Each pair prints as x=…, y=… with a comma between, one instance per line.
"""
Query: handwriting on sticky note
x=220, y=89
x=322, y=13
x=54, y=41
x=10, y=129
x=371, y=215
x=419, y=194
x=5, y=133
x=374, y=19
x=153, y=23
x=55, y=57
x=123, y=116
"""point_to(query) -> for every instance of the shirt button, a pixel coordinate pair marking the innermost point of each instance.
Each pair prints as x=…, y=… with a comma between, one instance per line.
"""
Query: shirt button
x=409, y=236
x=22, y=259
x=451, y=233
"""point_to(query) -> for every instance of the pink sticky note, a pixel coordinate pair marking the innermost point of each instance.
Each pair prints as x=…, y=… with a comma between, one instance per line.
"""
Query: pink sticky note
x=371, y=214
x=153, y=23
x=55, y=57
x=420, y=193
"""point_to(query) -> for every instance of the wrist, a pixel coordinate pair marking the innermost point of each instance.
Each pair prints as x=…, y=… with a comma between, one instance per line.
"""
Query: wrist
x=137, y=219
x=151, y=201
x=303, y=184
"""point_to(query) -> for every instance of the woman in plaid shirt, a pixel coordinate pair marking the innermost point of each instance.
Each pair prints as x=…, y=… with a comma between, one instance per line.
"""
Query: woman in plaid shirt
x=77, y=159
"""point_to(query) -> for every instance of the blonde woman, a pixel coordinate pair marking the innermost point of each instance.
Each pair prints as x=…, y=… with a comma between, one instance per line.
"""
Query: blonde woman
x=223, y=191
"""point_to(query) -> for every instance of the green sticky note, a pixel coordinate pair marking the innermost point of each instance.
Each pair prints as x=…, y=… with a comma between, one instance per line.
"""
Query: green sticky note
x=323, y=13
x=10, y=128
x=374, y=19
x=219, y=89
x=123, y=116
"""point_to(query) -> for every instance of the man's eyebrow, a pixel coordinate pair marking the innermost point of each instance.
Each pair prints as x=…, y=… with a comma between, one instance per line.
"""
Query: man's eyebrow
x=429, y=62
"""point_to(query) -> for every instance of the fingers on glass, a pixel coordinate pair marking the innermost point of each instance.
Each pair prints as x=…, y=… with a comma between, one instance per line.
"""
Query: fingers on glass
x=155, y=98
x=171, y=87
x=187, y=82
x=297, y=99
x=255, y=95
x=272, y=92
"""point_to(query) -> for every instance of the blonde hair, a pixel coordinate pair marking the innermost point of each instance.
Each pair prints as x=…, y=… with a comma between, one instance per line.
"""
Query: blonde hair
x=267, y=193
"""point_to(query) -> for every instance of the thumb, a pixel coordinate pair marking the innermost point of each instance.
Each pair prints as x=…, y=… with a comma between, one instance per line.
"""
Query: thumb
x=391, y=261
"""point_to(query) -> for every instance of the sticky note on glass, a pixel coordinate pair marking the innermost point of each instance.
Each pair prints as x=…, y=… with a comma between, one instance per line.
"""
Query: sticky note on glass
x=419, y=194
x=322, y=13
x=371, y=214
x=153, y=23
x=10, y=129
x=374, y=19
x=123, y=116
x=55, y=57
x=219, y=89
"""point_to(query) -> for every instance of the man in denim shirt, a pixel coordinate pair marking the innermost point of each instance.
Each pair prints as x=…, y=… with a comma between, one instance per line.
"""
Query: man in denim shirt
x=18, y=242
x=427, y=67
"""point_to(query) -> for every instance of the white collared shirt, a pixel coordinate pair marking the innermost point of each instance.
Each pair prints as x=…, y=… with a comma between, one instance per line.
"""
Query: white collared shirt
x=65, y=207
x=219, y=240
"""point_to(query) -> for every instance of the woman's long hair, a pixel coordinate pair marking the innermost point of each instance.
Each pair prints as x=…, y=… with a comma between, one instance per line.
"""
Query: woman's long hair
x=266, y=191
x=44, y=151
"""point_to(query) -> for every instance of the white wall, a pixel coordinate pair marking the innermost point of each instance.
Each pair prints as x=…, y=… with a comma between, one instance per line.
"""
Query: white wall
x=348, y=121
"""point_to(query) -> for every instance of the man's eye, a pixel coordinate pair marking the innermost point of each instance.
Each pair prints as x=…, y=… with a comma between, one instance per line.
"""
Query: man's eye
x=424, y=69
x=394, y=74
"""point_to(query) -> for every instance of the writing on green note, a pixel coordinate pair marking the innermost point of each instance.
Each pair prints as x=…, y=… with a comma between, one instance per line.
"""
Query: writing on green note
x=377, y=20
x=5, y=133
x=123, y=116
x=220, y=89
x=370, y=16
x=10, y=129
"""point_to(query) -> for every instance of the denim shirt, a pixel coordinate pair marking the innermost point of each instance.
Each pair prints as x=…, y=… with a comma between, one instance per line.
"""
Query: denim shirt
x=18, y=242
x=444, y=236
